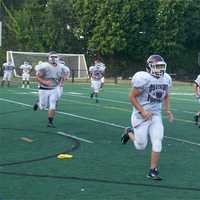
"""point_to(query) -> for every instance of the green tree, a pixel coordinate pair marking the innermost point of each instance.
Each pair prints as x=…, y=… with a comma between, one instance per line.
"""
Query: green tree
x=60, y=27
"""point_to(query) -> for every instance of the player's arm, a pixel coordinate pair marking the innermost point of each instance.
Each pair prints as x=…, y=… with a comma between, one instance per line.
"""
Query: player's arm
x=41, y=80
x=166, y=107
x=90, y=74
x=14, y=72
x=196, y=89
x=66, y=74
x=30, y=69
x=135, y=92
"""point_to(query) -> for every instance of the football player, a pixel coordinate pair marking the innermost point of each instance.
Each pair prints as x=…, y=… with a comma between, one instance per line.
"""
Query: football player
x=197, y=94
x=150, y=90
x=65, y=76
x=8, y=70
x=49, y=76
x=96, y=73
x=26, y=68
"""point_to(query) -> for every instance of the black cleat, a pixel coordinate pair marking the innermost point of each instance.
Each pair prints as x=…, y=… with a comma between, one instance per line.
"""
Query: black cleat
x=154, y=175
x=125, y=137
x=35, y=106
x=51, y=125
x=91, y=95
x=196, y=119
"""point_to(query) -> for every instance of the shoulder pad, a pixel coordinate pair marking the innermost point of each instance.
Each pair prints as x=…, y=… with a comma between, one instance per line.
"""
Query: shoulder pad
x=140, y=79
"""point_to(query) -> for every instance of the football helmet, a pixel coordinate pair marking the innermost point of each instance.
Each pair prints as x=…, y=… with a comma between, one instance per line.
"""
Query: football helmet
x=53, y=58
x=156, y=65
x=62, y=61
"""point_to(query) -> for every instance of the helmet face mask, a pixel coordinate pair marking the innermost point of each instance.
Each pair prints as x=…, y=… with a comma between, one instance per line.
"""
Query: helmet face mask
x=156, y=66
x=53, y=58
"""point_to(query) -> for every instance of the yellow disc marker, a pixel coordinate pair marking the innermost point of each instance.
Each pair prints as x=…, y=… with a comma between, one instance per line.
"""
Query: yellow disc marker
x=64, y=156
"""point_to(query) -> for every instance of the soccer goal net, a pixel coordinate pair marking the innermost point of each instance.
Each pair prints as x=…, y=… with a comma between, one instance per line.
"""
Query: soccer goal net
x=76, y=62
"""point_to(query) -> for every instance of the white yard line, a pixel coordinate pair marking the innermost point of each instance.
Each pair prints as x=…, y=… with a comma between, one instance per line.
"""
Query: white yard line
x=98, y=121
x=15, y=102
x=100, y=98
x=75, y=137
x=183, y=141
x=91, y=119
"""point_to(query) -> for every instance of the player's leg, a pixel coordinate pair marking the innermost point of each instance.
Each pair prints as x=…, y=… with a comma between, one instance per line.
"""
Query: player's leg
x=23, y=84
x=42, y=101
x=27, y=81
x=102, y=82
x=156, y=132
x=23, y=80
x=59, y=89
x=2, y=83
x=97, y=85
x=4, y=79
x=137, y=134
x=129, y=132
x=9, y=78
x=28, y=84
x=127, y=135
x=53, y=98
x=92, y=89
x=96, y=97
x=196, y=118
x=51, y=114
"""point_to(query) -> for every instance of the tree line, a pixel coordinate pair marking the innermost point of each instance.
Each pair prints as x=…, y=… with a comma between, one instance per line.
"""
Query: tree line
x=123, y=32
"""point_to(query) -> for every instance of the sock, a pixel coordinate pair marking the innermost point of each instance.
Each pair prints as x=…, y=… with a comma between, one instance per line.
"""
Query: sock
x=50, y=120
x=196, y=117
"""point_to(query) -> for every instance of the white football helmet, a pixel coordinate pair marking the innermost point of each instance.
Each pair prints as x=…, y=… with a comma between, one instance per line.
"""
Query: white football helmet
x=156, y=65
x=53, y=58
x=62, y=61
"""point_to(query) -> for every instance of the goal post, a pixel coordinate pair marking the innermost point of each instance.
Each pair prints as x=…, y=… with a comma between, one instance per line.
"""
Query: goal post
x=76, y=62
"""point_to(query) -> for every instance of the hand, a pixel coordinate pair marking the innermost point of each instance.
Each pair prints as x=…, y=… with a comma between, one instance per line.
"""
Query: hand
x=61, y=82
x=146, y=115
x=170, y=116
x=47, y=83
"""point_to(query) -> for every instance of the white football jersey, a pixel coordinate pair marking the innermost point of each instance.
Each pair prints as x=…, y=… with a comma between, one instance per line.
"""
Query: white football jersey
x=197, y=80
x=50, y=72
x=8, y=67
x=26, y=68
x=97, y=71
x=152, y=89
x=65, y=71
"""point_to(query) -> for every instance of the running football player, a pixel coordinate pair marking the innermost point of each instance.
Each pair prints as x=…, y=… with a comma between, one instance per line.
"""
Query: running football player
x=150, y=90
x=96, y=73
x=8, y=70
x=26, y=68
x=49, y=76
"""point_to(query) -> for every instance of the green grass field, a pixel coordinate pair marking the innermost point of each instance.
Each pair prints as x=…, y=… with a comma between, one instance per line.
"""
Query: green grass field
x=101, y=168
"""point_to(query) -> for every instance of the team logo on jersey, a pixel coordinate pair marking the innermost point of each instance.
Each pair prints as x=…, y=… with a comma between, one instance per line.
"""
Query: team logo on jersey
x=157, y=92
x=97, y=74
